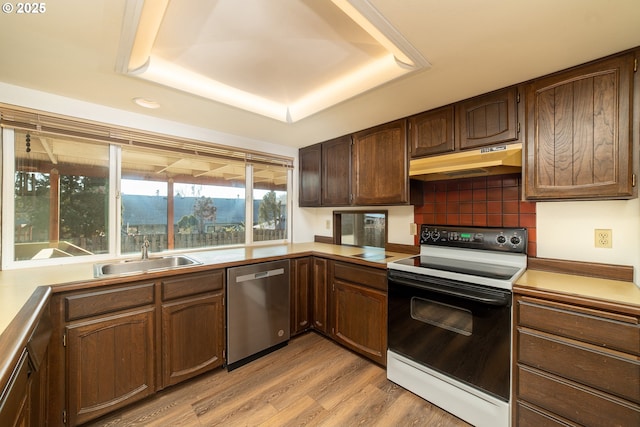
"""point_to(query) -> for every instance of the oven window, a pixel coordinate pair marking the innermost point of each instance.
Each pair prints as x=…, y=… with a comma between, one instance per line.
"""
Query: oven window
x=455, y=319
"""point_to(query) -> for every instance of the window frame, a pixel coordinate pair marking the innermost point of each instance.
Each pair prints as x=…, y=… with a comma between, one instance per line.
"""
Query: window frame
x=7, y=139
x=337, y=225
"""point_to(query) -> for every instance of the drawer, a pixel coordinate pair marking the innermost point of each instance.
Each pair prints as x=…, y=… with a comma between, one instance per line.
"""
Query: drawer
x=529, y=417
x=107, y=301
x=578, y=404
x=589, y=325
x=192, y=284
x=612, y=373
x=359, y=274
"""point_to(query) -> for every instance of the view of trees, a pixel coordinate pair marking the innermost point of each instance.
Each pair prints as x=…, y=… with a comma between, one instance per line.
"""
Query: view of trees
x=83, y=205
x=203, y=212
x=84, y=209
x=270, y=212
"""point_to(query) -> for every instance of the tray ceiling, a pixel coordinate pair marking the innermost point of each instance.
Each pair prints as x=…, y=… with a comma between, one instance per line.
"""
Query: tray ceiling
x=75, y=50
x=285, y=60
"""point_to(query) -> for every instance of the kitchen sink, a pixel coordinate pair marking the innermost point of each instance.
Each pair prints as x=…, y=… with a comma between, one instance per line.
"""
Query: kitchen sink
x=134, y=266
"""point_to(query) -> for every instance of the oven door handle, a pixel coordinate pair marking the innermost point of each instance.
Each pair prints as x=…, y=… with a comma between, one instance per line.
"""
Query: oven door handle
x=496, y=298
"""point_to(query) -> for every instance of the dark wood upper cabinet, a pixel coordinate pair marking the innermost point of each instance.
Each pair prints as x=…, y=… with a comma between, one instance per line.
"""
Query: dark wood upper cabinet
x=578, y=128
x=310, y=159
x=381, y=165
x=488, y=119
x=579, y=140
x=432, y=132
x=336, y=172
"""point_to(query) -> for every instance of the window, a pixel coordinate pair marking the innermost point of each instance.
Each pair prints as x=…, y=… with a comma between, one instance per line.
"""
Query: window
x=360, y=228
x=94, y=192
x=203, y=199
x=208, y=215
x=270, y=203
x=60, y=199
x=144, y=215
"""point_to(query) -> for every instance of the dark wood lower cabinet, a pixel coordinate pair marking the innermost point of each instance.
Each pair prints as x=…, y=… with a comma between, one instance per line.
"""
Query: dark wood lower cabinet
x=192, y=337
x=359, y=309
x=344, y=301
x=576, y=364
x=115, y=345
x=110, y=364
x=14, y=410
x=319, y=291
x=302, y=276
x=125, y=342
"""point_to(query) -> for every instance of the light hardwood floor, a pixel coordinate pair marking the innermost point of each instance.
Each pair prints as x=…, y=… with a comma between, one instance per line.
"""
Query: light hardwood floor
x=310, y=382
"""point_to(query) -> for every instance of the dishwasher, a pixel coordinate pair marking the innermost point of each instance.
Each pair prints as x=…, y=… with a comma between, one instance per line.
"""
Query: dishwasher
x=258, y=311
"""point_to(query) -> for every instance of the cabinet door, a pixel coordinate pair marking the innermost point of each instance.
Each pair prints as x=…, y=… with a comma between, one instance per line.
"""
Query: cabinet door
x=432, y=132
x=110, y=364
x=336, y=172
x=488, y=119
x=192, y=337
x=579, y=132
x=319, y=295
x=381, y=165
x=301, y=295
x=14, y=406
x=310, y=159
x=360, y=319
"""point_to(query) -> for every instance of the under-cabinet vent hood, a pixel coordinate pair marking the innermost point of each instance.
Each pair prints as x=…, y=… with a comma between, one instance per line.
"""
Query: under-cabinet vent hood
x=495, y=160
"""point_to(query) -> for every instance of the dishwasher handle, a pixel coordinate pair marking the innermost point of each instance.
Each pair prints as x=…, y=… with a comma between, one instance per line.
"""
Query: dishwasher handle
x=260, y=275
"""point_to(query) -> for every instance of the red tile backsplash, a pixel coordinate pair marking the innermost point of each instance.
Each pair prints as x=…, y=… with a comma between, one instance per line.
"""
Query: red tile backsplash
x=493, y=201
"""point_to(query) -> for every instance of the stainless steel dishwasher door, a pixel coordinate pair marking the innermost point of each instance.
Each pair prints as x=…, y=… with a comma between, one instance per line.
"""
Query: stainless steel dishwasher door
x=258, y=309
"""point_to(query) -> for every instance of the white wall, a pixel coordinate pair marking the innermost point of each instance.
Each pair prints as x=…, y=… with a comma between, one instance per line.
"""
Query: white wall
x=565, y=230
x=313, y=221
x=16, y=95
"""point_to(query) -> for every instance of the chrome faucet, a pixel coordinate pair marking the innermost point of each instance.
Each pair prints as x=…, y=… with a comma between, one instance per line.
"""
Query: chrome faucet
x=145, y=249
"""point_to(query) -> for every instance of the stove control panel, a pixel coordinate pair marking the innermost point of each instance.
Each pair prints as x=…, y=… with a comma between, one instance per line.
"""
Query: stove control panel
x=485, y=238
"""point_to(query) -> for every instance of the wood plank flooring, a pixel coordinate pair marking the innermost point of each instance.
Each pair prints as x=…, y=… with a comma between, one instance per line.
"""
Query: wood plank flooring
x=310, y=382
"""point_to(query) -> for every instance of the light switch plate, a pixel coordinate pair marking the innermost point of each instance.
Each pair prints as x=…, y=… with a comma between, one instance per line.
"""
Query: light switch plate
x=413, y=228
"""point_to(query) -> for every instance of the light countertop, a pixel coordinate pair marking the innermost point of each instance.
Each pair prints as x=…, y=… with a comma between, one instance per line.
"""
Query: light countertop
x=608, y=291
x=16, y=286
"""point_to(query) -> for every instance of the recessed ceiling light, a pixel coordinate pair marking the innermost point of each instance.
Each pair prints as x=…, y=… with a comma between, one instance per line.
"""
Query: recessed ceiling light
x=146, y=103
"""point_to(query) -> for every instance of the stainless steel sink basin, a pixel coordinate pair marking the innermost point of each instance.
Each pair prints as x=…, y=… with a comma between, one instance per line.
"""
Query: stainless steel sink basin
x=142, y=265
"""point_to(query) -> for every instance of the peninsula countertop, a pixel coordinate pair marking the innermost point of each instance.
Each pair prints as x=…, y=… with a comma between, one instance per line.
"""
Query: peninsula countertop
x=18, y=285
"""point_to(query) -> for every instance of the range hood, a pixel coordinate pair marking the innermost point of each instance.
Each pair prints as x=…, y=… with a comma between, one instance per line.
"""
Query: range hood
x=495, y=160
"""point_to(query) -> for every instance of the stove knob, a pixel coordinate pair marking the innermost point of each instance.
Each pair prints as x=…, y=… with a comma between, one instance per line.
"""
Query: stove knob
x=515, y=240
x=435, y=236
x=501, y=239
x=425, y=235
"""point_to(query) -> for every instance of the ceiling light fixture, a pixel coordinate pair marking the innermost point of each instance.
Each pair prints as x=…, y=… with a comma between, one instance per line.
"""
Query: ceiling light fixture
x=146, y=103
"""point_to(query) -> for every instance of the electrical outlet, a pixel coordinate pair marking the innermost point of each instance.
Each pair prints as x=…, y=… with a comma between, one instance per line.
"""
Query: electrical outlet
x=603, y=238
